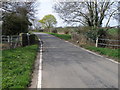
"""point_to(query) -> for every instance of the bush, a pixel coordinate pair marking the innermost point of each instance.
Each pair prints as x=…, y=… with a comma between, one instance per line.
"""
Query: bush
x=66, y=32
x=92, y=34
x=54, y=31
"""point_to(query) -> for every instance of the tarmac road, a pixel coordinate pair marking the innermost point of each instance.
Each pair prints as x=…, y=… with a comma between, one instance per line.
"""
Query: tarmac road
x=67, y=66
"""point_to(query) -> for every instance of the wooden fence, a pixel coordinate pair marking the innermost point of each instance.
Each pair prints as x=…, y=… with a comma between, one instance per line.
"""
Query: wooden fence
x=11, y=41
x=100, y=42
x=107, y=43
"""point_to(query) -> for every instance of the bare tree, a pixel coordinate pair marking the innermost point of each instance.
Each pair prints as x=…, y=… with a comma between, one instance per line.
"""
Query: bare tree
x=86, y=13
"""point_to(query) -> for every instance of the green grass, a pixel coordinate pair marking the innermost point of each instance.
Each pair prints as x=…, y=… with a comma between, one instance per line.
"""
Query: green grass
x=17, y=66
x=113, y=31
x=113, y=53
x=62, y=36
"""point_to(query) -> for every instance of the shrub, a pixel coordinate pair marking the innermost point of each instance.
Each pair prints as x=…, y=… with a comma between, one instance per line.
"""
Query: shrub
x=66, y=32
x=54, y=31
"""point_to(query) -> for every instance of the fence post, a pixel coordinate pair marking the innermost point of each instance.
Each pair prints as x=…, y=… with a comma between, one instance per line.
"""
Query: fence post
x=96, y=42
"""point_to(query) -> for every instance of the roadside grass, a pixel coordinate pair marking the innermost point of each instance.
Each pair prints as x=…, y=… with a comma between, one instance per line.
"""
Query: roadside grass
x=62, y=36
x=113, y=31
x=112, y=53
x=17, y=65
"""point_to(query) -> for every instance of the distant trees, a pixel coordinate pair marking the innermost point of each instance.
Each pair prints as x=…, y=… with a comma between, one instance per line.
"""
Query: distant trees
x=36, y=24
x=48, y=21
x=16, y=17
x=86, y=13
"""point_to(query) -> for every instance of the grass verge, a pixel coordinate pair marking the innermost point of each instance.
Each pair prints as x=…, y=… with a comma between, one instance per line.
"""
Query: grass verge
x=62, y=36
x=17, y=65
x=112, y=53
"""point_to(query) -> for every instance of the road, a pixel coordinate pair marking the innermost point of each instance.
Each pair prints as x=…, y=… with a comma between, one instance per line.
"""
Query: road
x=67, y=66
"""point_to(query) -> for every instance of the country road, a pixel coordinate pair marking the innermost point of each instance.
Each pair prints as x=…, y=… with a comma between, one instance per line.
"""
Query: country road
x=67, y=66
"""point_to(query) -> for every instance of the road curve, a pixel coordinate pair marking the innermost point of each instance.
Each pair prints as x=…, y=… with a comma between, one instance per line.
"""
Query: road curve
x=67, y=66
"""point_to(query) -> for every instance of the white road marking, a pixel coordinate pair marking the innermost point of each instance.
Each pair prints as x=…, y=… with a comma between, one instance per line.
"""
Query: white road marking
x=96, y=54
x=93, y=52
x=100, y=56
x=39, y=83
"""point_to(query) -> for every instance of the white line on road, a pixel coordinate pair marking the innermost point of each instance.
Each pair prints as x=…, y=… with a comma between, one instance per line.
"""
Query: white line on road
x=39, y=83
x=96, y=54
x=100, y=55
x=93, y=52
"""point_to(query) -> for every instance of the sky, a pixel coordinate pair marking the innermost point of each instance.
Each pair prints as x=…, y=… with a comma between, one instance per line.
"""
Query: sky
x=44, y=7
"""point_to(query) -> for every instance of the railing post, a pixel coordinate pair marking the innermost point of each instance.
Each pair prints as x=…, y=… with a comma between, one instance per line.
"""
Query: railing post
x=96, y=42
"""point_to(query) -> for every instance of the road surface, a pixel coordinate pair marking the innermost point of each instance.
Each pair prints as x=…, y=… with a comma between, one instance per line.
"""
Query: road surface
x=67, y=66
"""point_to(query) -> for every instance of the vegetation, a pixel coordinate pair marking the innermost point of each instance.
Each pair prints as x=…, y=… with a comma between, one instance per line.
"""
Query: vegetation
x=62, y=36
x=113, y=31
x=113, y=53
x=17, y=66
x=96, y=12
x=48, y=21
x=16, y=17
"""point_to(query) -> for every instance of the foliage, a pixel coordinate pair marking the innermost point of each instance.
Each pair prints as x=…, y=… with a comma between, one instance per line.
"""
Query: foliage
x=48, y=21
x=113, y=31
x=62, y=36
x=13, y=24
x=54, y=30
x=17, y=66
x=16, y=17
x=113, y=53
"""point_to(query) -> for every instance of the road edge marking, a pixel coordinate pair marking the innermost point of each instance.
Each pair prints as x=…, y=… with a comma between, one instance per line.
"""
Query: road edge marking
x=100, y=55
x=39, y=82
x=94, y=53
x=91, y=52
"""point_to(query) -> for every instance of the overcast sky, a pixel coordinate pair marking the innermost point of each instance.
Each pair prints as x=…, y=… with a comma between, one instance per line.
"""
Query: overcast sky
x=45, y=7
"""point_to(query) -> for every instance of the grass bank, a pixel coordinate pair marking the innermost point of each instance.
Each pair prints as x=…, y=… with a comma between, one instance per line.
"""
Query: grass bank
x=62, y=36
x=112, y=53
x=17, y=66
